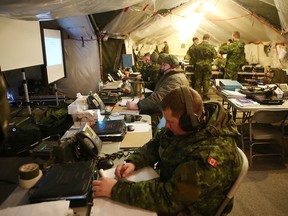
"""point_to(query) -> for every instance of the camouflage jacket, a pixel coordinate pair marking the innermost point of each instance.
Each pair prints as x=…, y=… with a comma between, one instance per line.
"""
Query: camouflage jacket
x=196, y=170
x=191, y=54
x=205, y=53
x=150, y=75
x=235, y=52
x=165, y=84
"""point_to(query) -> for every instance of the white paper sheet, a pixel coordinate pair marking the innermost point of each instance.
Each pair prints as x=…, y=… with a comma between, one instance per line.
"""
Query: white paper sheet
x=107, y=207
x=140, y=127
x=125, y=100
x=143, y=174
x=55, y=208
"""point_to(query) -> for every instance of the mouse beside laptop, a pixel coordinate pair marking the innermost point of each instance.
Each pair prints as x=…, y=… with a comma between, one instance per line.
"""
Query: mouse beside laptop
x=130, y=128
x=105, y=164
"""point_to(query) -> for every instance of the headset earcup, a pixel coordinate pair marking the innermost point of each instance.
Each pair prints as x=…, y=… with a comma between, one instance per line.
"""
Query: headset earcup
x=186, y=123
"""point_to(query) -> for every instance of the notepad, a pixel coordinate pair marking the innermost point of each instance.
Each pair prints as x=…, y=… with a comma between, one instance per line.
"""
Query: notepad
x=144, y=174
x=125, y=100
x=108, y=207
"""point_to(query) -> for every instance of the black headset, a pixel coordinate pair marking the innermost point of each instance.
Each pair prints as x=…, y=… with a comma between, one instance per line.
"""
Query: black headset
x=188, y=121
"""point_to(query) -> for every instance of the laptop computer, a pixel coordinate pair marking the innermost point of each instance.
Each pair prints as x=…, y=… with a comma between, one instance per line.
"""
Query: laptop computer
x=66, y=181
x=268, y=101
x=110, y=130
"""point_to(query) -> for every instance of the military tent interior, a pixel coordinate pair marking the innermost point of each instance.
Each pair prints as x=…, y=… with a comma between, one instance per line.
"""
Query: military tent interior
x=97, y=34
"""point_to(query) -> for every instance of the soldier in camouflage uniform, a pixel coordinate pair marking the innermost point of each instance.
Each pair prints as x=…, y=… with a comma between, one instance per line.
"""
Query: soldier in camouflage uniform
x=204, y=56
x=150, y=72
x=197, y=167
x=235, y=56
x=190, y=52
x=170, y=77
x=190, y=55
x=165, y=48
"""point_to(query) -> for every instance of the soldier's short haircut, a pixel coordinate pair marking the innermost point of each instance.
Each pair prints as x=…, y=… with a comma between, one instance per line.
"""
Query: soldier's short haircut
x=195, y=38
x=206, y=37
x=236, y=34
x=147, y=54
x=173, y=101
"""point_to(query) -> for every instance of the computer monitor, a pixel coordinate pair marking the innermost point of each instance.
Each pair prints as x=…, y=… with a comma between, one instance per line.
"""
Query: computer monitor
x=127, y=60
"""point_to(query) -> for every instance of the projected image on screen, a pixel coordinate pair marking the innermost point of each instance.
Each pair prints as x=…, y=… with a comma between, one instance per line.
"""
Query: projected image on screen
x=54, y=55
x=53, y=51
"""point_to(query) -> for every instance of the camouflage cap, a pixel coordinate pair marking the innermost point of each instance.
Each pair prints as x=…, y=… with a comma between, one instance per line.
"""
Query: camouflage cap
x=161, y=57
x=172, y=60
x=154, y=57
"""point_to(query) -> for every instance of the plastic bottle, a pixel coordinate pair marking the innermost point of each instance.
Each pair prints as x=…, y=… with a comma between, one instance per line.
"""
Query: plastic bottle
x=127, y=73
x=100, y=86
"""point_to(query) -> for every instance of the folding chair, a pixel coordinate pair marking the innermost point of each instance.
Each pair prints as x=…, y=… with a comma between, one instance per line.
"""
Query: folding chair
x=237, y=183
x=160, y=125
x=266, y=127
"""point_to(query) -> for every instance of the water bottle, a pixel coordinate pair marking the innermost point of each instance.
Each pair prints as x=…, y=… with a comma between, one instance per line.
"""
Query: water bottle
x=100, y=86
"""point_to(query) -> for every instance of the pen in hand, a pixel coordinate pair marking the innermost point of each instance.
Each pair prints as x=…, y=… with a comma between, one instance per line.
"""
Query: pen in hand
x=123, y=169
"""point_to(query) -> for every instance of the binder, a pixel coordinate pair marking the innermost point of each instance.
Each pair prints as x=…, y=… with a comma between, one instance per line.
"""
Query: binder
x=230, y=85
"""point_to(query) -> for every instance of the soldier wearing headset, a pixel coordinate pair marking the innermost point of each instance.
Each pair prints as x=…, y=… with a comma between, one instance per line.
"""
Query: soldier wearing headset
x=196, y=155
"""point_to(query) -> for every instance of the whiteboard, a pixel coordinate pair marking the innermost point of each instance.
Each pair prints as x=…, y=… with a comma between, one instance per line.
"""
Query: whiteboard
x=20, y=44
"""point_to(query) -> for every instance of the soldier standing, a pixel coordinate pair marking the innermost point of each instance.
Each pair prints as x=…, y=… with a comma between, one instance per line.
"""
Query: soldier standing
x=150, y=73
x=190, y=55
x=165, y=48
x=191, y=51
x=204, y=56
x=235, y=56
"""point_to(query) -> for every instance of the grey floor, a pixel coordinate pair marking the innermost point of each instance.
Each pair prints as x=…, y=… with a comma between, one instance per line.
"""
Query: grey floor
x=264, y=191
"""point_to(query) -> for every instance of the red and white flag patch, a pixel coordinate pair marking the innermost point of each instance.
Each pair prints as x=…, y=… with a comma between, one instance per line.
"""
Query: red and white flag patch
x=212, y=161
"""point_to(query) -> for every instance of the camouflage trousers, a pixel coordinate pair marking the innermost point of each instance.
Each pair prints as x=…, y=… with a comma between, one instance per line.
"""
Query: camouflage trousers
x=231, y=71
x=202, y=80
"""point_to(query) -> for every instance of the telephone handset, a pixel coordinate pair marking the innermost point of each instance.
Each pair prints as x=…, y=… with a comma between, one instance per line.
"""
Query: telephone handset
x=90, y=144
x=95, y=102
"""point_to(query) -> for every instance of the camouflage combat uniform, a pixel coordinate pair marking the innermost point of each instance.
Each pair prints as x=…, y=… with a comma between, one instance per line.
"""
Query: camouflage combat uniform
x=204, y=55
x=196, y=170
x=235, y=58
x=150, y=73
x=166, y=83
x=191, y=54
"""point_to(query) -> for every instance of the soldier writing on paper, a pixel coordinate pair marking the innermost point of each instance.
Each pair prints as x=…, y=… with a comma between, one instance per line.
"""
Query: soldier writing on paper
x=196, y=156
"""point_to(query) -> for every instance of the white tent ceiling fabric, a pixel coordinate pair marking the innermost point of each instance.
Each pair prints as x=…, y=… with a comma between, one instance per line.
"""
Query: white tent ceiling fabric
x=140, y=12
x=140, y=23
x=55, y=9
x=282, y=7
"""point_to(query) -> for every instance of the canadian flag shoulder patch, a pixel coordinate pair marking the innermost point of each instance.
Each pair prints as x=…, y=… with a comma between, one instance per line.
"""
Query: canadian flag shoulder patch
x=212, y=162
